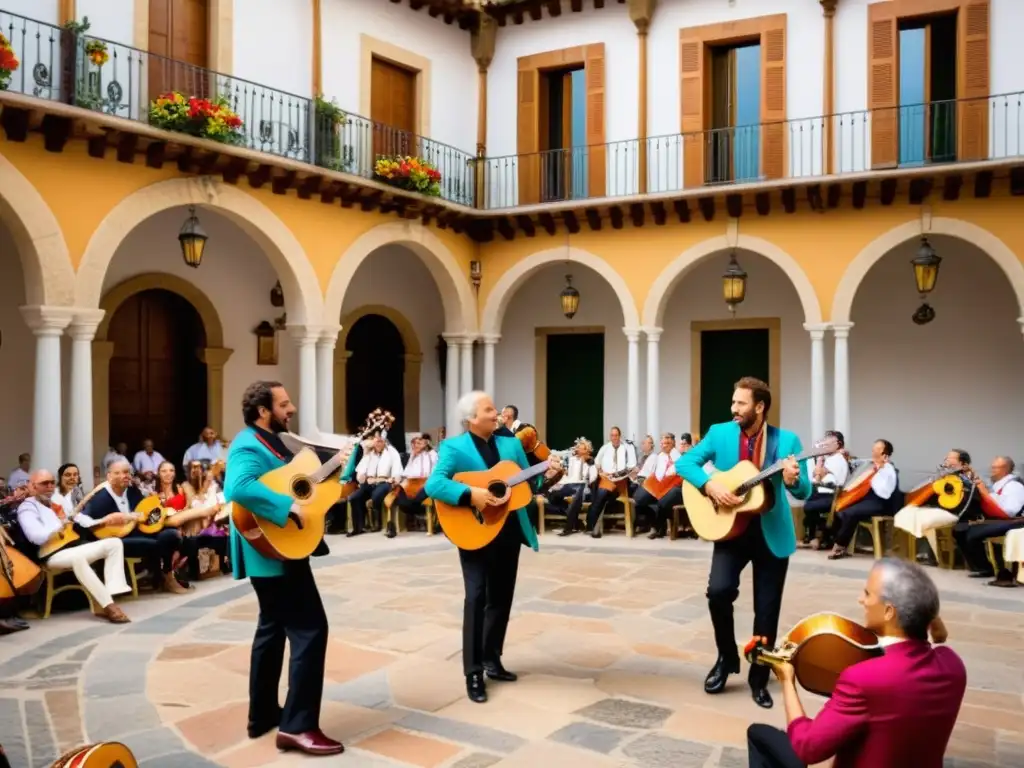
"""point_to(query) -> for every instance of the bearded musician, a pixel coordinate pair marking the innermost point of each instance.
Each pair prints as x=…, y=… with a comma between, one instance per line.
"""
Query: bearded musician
x=878, y=501
x=1000, y=509
x=573, y=487
x=378, y=473
x=659, y=466
x=615, y=461
x=924, y=518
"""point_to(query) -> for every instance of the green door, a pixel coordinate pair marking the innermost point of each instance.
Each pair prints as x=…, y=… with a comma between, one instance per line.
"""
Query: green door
x=725, y=358
x=575, y=388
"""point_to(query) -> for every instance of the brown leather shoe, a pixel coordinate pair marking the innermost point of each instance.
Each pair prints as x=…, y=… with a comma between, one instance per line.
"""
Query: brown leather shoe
x=310, y=742
x=171, y=585
x=115, y=615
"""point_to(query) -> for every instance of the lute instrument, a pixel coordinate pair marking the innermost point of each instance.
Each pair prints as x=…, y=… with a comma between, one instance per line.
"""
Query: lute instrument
x=989, y=506
x=109, y=754
x=532, y=444
x=751, y=485
x=18, y=574
x=658, y=488
x=304, y=480
x=856, y=487
x=68, y=534
x=820, y=648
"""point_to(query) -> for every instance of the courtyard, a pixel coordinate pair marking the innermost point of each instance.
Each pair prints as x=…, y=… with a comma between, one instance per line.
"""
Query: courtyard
x=610, y=637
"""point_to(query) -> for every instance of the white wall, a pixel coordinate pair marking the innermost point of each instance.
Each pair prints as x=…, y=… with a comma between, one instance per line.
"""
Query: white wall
x=698, y=297
x=273, y=44
x=236, y=276
x=453, y=100
x=47, y=11
x=17, y=359
x=112, y=20
x=536, y=305
x=952, y=383
x=394, y=276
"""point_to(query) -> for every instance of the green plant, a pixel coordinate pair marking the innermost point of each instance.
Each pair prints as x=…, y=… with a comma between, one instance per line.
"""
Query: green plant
x=76, y=27
x=411, y=173
x=206, y=118
x=328, y=112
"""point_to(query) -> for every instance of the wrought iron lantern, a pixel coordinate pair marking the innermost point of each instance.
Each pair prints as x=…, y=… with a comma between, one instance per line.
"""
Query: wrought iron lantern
x=570, y=298
x=192, y=238
x=734, y=284
x=926, y=274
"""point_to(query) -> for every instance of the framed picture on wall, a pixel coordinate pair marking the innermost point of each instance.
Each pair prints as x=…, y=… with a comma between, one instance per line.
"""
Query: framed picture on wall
x=266, y=344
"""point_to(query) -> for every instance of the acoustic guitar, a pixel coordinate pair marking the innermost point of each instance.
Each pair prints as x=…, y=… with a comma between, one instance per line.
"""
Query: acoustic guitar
x=819, y=647
x=109, y=754
x=751, y=485
x=471, y=528
x=148, y=517
x=66, y=535
x=658, y=488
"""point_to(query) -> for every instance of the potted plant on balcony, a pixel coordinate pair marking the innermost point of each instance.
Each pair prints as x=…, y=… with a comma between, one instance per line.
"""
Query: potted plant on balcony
x=205, y=118
x=96, y=52
x=8, y=62
x=330, y=122
x=409, y=173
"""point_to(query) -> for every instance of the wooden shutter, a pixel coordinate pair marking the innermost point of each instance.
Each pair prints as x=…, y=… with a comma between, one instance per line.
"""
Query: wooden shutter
x=597, y=150
x=691, y=96
x=773, y=100
x=973, y=80
x=883, y=93
x=528, y=142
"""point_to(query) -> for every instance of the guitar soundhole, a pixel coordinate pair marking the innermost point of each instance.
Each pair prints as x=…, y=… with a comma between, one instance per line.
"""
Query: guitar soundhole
x=497, y=489
x=302, y=488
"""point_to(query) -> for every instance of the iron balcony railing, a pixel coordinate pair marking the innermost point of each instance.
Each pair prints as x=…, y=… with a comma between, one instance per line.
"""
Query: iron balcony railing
x=59, y=64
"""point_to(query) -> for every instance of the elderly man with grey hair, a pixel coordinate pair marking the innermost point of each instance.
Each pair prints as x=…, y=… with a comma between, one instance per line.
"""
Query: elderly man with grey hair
x=489, y=573
x=892, y=711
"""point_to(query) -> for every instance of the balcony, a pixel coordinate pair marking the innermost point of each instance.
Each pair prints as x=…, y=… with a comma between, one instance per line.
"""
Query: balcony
x=71, y=68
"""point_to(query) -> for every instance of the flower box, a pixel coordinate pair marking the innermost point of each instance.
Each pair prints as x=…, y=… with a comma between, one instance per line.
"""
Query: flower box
x=410, y=173
x=205, y=118
x=8, y=62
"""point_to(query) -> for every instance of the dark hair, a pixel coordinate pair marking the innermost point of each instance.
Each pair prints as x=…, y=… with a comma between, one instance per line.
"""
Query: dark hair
x=686, y=437
x=886, y=447
x=175, y=485
x=615, y=429
x=24, y=457
x=257, y=394
x=426, y=436
x=759, y=391
x=515, y=411
x=835, y=433
x=962, y=456
x=64, y=468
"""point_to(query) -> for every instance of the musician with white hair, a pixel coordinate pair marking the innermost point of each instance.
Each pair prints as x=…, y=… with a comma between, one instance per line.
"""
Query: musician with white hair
x=573, y=487
x=490, y=572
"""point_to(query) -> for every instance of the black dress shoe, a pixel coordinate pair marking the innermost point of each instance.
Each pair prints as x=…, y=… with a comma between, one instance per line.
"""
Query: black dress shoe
x=762, y=698
x=350, y=534
x=496, y=671
x=715, y=681
x=261, y=727
x=566, y=532
x=476, y=688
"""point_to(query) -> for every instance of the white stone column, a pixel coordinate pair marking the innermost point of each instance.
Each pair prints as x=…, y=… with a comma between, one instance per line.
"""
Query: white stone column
x=48, y=324
x=841, y=373
x=451, y=385
x=466, y=360
x=307, y=336
x=633, y=384
x=80, y=438
x=817, y=332
x=653, y=379
x=489, y=341
x=325, y=378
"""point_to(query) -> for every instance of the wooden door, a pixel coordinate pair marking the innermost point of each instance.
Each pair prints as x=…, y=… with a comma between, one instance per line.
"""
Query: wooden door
x=179, y=42
x=157, y=382
x=574, y=411
x=375, y=374
x=393, y=108
x=725, y=358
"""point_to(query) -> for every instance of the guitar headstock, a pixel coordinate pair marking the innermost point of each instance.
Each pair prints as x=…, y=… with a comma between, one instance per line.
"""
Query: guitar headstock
x=824, y=447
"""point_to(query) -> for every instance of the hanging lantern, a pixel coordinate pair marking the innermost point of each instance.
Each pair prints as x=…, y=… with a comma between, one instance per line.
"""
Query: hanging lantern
x=570, y=298
x=926, y=267
x=193, y=239
x=734, y=284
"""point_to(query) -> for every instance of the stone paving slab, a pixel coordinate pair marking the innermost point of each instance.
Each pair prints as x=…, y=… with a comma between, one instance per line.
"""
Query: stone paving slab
x=611, y=639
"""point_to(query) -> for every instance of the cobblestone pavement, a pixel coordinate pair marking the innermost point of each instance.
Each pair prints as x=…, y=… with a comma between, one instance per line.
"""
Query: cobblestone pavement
x=611, y=639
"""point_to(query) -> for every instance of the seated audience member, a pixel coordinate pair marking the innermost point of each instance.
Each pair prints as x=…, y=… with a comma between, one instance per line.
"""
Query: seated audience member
x=571, y=490
x=894, y=711
x=926, y=518
x=379, y=471
x=661, y=465
x=20, y=474
x=207, y=450
x=1005, y=497
x=69, y=493
x=147, y=461
x=878, y=501
x=685, y=443
x=201, y=500
x=421, y=463
x=826, y=477
x=39, y=522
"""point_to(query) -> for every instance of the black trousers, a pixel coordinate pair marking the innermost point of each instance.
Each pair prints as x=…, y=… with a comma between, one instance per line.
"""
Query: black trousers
x=971, y=540
x=489, y=575
x=845, y=522
x=663, y=509
x=411, y=505
x=190, y=546
x=768, y=747
x=601, y=498
x=290, y=608
x=646, y=505
x=816, y=511
x=156, y=550
x=375, y=494
x=727, y=564
x=569, y=498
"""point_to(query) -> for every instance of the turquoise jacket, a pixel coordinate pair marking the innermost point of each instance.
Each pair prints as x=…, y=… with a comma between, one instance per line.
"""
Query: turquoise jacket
x=348, y=474
x=721, y=446
x=459, y=454
x=249, y=460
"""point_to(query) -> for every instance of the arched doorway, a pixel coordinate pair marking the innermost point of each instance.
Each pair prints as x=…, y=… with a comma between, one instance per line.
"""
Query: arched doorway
x=158, y=384
x=375, y=374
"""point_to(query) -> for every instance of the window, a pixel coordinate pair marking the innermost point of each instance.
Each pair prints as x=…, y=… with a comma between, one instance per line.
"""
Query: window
x=563, y=134
x=733, y=138
x=927, y=90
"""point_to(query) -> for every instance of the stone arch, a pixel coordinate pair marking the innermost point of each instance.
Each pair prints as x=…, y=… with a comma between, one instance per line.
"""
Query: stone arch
x=413, y=364
x=451, y=279
x=214, y=355
x=510, y=282
x=877, y=249
x=42, y=250
x=661, y=289
x=298, y=279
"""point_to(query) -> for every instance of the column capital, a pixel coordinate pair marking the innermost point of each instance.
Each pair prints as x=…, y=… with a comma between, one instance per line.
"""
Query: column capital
x=466, y=340
x=640, y=13
x=305, y=334
x=453, y=338
x=632, y=334
x=828, y=7
x=817, y=330
x=47, y=321
x=215, y=357
x=494, y=338
x=841, y=330
x=652, y=333
x=330, y=333
x=84, y=324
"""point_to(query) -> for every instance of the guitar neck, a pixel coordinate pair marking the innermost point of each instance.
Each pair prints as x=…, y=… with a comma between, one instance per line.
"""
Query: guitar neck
x=773, y=470
x=527, y=474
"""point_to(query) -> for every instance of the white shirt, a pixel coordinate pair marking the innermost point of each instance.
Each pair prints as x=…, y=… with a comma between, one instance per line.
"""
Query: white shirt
x=837, y=471
x=146, y=462
x=648, y=468
x=387, y=464
x=39, y=522
x=665, y=464
x=577, y=472
x=883, y=482
x=18, y=478
x=610, y=459
x=203, y=452
x=1009, y=495
x=420, y=465
x=122, y=502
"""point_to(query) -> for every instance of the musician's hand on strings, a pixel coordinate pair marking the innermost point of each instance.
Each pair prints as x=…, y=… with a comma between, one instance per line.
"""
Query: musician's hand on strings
x=790, y=471
x=722, y=496
x=481, y=497
x=784, y=672
x=297, y=516
x=116, y=518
